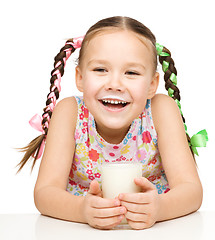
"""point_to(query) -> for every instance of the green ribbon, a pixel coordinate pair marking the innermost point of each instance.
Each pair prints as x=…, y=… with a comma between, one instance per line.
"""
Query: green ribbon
x=164, y=54
x=179, y=106
x=165, y=66
x=185, y=127
x=198, y=140
x=173, y=78
x=160, y=52
x=170, y=92
x=159, y=48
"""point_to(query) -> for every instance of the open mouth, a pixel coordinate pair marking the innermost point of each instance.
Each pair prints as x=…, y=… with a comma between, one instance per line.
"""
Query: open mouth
x=114, y=104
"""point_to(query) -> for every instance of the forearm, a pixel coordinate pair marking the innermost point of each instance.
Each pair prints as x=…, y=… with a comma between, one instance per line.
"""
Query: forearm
x=179, y=201
x=58, y=203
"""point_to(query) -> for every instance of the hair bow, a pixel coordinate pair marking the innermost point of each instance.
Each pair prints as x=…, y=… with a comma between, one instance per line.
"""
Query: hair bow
x=198, y=140
x=36, y=123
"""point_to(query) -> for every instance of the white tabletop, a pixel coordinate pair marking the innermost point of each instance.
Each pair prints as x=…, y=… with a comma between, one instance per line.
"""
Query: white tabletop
x=199, y=225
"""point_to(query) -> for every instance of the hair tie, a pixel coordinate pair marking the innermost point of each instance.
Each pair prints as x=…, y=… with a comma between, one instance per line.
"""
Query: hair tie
x=77, y=42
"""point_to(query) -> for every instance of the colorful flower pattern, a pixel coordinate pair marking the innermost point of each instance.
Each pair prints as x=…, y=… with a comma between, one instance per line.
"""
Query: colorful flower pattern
x=139, y=144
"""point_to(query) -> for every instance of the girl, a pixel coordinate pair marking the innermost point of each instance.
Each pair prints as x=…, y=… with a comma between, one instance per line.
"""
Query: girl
x=119, y=118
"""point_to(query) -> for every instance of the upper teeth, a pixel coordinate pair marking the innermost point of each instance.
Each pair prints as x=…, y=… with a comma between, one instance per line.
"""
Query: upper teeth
x=113, y=101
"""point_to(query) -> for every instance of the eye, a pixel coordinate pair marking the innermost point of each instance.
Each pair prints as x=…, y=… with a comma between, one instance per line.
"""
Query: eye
x=100, y=70
x=132, y=73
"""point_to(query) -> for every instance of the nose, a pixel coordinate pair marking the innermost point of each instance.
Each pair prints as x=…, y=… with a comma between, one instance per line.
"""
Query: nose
x=115, y=83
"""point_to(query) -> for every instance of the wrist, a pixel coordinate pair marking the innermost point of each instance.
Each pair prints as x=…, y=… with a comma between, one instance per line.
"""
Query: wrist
x=161, y=207
x=82, y=209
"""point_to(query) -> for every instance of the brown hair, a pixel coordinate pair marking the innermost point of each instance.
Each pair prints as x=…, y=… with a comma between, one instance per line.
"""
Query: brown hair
x=113, y=23
x=120, y=23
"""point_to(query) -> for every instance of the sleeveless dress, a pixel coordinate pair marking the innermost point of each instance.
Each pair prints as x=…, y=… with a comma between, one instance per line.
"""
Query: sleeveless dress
x=139, y=144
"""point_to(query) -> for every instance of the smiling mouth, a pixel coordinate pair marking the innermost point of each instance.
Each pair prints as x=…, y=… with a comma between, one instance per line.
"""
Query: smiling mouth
x=114, y=104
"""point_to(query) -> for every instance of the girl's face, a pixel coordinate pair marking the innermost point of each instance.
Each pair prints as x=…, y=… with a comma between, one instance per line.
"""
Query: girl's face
x=116, y=77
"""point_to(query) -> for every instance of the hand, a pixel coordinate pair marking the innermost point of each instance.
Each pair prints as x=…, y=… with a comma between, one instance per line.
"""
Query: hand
x=100, y=212
x=142, y=208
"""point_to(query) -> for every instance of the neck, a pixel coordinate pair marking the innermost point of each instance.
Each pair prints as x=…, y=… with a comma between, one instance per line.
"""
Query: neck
x=113, y=136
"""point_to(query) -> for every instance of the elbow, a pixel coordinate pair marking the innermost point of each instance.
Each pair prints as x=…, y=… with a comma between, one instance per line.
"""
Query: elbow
x=36, y=200
x=38, y=196
x=199, y=197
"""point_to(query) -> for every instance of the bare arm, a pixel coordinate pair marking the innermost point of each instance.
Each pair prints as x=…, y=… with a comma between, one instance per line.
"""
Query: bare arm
x=50, y=195
x=185, y=195
x=186, y=191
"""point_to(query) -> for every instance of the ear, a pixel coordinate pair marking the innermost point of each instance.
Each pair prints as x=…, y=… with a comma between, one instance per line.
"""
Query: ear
x=153, y=85
x=78, y=79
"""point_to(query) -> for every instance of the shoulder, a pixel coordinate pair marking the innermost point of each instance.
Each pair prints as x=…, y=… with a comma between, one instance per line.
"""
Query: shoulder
x=164, y=111
x=68, y=103
x=65, y=112
x=164, y=102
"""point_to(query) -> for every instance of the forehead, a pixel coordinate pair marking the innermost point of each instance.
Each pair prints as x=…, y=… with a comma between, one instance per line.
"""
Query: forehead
x=125, y=42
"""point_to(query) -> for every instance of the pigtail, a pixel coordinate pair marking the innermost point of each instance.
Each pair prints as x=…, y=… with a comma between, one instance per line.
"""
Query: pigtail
x=170, y=78
x=35, y=148
x=55, y=88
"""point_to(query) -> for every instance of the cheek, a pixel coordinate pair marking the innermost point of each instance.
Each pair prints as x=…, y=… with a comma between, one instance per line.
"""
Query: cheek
x=91, y=89
x=92, y=85
x=139, y=90
x=140, y=94
x=89, y=84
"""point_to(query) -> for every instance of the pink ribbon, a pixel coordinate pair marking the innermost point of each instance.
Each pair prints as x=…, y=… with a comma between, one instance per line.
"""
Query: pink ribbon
x=36, y=120
x=36, y=123
x=41, y=149
x=53, y=102
x=77, y=42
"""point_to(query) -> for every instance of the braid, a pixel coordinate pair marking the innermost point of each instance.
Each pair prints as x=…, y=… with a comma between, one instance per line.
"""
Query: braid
x=170, y=78
x=55, y=88
x=35, y=148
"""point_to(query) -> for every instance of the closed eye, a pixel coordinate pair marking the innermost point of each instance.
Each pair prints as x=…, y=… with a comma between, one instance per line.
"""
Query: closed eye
x=101, y=70
x=132, y=73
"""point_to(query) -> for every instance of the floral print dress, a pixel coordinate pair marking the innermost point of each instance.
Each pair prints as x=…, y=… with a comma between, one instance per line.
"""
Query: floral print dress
x=139, y=144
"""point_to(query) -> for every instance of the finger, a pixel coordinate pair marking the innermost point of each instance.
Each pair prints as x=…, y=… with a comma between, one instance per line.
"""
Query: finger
x=94, y=188
x=141, y=198
x=98, y=202
x=108, y=227
x=109, y=212
x=138, y=225
x=144, y=183
x=108, y=222
x=136, y=217
x=135, y=208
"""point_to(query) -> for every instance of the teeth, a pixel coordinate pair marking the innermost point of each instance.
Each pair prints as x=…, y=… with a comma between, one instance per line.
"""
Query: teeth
x=113, y=101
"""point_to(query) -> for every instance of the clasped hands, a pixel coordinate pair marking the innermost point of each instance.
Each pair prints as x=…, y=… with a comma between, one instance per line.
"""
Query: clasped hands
x=140, y=209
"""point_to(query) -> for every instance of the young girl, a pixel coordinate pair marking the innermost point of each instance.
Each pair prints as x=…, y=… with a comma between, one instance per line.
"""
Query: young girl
x=119, y=118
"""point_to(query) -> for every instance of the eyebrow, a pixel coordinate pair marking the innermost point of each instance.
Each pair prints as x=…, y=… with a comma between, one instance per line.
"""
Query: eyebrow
x=135, y=64
x=97, y=61
x=129, y=64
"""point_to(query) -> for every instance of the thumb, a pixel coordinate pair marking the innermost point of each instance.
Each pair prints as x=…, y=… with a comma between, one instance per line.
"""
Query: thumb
x=94, y=188
x=144, y=183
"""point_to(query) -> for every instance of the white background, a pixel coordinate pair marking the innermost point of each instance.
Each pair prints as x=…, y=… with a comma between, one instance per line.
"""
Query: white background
x=32, y=33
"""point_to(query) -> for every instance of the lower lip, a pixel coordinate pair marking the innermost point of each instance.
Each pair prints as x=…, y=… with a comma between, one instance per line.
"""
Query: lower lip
x=113, y=109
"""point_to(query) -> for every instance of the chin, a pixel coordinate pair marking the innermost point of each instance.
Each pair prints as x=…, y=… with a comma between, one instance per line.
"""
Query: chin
x=116, y=124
